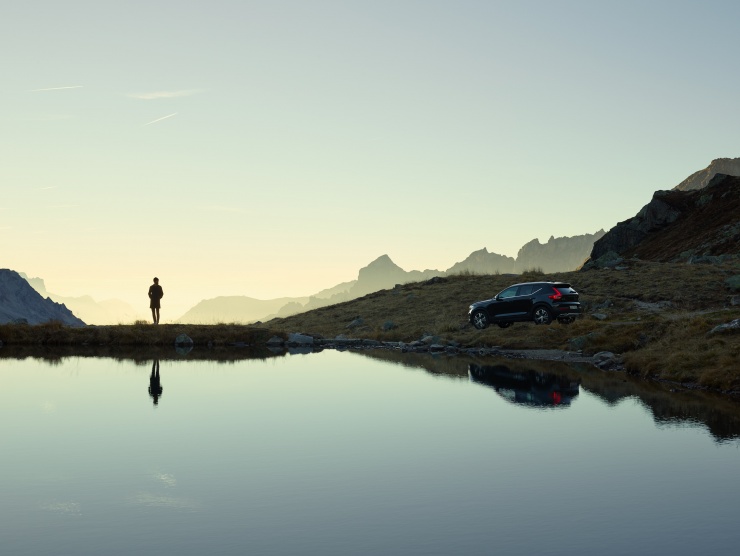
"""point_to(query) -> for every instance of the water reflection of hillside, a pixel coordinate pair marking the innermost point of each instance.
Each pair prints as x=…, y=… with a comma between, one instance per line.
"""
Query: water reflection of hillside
x=719, y=414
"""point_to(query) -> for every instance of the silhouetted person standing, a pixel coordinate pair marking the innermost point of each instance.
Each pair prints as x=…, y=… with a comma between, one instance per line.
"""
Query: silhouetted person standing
x=155, y=294
x=155, y=387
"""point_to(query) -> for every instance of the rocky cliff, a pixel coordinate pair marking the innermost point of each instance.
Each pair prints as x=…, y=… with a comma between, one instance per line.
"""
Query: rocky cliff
x=19, y=302
x=680, y=225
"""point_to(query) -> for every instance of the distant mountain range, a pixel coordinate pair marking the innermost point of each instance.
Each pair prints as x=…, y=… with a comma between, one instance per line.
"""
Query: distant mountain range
x=681, y=223
x=558, y=254
x=20, y=303
x=111, y=311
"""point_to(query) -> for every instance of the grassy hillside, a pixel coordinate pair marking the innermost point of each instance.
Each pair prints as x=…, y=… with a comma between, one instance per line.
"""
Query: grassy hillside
x=658, y=316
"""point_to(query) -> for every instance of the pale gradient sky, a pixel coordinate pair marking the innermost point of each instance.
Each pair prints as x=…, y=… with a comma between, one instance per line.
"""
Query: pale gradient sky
x=273, y=148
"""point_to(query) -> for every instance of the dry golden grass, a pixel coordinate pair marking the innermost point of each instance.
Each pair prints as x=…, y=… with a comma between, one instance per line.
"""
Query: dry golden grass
x=138, y=334
x=686, y=352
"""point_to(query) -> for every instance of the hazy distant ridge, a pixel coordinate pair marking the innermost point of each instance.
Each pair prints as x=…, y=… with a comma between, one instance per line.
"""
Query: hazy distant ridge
x=110, y=311
x=557, y=254
x=235, y=309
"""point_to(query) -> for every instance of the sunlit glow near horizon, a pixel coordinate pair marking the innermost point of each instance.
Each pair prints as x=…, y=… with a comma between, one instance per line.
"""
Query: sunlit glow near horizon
x=294, y=143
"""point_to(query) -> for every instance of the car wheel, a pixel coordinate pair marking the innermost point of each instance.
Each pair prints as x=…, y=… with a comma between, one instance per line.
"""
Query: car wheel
x=479, y=319
x=505, y=324
x=541, y=315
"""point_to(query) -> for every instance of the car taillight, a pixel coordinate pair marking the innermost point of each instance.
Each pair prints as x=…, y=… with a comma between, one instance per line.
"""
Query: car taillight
x=557, y=296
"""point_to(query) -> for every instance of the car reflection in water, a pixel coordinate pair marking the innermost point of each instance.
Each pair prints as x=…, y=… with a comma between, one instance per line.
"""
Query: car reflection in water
x=526, y=387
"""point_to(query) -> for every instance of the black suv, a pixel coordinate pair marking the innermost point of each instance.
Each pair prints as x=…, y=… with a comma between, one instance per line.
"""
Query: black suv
x=541, y=302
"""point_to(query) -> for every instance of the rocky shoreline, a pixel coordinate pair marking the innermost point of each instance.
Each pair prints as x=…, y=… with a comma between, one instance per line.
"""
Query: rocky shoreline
x=305, y=343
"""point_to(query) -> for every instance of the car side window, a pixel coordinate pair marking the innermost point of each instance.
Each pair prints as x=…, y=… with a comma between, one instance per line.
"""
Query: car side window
x=508, y=292
x=524, y=290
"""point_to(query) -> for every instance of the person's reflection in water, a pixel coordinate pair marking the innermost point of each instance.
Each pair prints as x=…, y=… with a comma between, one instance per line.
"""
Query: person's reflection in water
x=155, y=386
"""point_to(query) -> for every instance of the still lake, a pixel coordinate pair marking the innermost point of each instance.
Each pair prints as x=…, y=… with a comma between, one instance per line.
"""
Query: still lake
x=350, y=453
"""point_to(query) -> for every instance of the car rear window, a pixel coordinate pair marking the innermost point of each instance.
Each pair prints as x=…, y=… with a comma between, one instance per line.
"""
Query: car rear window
x=564, y=289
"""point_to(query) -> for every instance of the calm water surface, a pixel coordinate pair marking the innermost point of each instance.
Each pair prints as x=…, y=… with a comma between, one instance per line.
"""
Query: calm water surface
x=340, y=453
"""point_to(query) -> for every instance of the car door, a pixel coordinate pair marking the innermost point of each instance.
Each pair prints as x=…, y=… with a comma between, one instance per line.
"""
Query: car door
x=502, y=303
x=503, y=306
x=521, y=304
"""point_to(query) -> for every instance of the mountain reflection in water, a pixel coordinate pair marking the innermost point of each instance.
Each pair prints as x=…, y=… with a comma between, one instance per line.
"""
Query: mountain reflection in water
x=526, y=387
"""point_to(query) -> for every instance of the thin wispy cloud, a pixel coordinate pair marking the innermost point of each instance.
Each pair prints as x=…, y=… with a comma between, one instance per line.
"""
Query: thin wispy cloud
x=55, y=88
x=164, y=94
x=160, y=119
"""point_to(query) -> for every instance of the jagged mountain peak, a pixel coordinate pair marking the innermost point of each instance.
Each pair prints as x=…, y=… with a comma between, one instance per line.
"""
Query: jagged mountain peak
x=384, y=261
x=383, y=265
x=702, y=178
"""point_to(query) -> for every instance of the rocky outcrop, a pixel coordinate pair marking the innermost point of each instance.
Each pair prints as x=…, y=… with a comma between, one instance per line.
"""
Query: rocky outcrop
x=733, y=326
x=681, y=225
x=700, y=179
x=19, y=302
x=653, y=216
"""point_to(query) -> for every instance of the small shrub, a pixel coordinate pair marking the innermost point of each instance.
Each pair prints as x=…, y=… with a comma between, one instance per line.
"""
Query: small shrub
x=532, y=274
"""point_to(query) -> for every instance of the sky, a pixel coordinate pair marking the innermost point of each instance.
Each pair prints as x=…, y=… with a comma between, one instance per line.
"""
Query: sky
x=273, y=148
